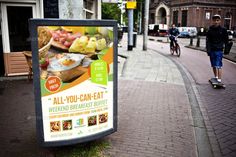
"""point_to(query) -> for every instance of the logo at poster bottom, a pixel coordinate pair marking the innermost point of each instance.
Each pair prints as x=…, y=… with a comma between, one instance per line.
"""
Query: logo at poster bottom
x=79, y=123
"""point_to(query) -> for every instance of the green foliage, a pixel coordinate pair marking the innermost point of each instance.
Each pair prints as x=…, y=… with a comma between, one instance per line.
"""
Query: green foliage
x=110, y=11
x=91, y=149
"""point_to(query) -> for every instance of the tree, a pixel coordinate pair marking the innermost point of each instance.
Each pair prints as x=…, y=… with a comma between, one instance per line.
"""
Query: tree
x=110, y=11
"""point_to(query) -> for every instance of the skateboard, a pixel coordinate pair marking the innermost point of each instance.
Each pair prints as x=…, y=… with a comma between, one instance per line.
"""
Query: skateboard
x=216, y=84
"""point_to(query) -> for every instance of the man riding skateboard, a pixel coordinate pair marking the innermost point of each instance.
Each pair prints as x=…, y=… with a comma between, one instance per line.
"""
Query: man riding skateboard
x=216, y=40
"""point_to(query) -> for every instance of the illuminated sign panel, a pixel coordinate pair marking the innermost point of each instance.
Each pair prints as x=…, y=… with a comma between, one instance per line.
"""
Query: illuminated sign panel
x=75, y=79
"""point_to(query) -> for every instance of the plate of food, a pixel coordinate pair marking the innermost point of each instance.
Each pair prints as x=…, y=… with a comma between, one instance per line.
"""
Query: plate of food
x=103, y=118
x=65, y=61
x=83, y=40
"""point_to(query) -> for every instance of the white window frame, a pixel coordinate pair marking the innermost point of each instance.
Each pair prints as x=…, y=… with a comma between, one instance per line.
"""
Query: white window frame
x=5, y=30
x=92, y=11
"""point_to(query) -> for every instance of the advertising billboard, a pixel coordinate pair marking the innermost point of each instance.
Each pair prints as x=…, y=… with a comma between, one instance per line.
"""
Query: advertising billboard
x=75, y=79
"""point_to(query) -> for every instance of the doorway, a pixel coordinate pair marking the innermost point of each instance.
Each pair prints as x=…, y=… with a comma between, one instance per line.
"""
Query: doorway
x=227, y=22
x=2, y=70
x=162, y=16
x=15, y=35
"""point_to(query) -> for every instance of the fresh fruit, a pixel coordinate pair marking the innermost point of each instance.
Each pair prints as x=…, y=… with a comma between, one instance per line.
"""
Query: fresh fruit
x=44, y=62
x=110, y=34
x=103, y=31
x=74, y=29
x=63, y=37
x=67, y=28
x=67, y=43
x=79, y=44
x=91, y=30
x=53, y=28
x=101, y=44
x=91, y=47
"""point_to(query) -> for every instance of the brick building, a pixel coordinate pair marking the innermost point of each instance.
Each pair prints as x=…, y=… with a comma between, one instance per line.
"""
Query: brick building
x=195, y=13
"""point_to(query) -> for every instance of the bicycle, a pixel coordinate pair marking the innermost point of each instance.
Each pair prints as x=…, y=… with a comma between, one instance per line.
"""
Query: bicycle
x=175, y=48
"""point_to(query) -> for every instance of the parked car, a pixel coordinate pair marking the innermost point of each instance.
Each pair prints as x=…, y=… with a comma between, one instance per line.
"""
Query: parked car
x=157, y=29
x=234, y=35
x=153, y=29
x=187, y=32
x=163, y=30
x=230, y=34
x=184, y=34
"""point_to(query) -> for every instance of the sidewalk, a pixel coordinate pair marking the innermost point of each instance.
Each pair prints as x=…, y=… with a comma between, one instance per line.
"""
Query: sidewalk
x=155, y=117
x=154, y=112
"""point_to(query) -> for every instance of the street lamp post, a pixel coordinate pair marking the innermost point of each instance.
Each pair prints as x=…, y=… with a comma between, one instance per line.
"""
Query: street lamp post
x=146, y=16
x=130, y=29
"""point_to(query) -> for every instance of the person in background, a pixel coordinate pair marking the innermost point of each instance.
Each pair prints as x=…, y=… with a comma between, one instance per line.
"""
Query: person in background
x=216, y=40
x=173, y=33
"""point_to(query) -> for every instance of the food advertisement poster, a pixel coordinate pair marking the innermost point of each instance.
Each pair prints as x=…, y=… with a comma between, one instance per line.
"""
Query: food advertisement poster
x=74, y=65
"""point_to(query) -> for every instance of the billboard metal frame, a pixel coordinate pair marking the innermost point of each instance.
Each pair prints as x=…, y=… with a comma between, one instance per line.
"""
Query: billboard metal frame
x=33, y=24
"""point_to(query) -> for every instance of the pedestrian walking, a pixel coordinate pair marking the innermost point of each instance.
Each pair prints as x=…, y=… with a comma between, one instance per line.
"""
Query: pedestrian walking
x=216, y=41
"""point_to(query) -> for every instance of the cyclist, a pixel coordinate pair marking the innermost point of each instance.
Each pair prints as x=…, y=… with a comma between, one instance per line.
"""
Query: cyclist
x=173, y=33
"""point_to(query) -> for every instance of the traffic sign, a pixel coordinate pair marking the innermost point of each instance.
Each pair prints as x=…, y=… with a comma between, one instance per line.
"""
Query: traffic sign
x=131, y=4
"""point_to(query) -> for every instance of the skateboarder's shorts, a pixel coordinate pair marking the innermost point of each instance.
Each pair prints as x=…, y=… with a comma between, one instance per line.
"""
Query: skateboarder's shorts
x=216, y=59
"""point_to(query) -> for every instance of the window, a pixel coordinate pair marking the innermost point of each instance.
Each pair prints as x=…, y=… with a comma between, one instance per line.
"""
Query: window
x=51, y=9
x=175, y=17
x=2, y=70
x=208, y=15
x=89, y=9
x=152, y=18
x=227, y=22
x=184, y=18
x=15, y=36
x=18, y=27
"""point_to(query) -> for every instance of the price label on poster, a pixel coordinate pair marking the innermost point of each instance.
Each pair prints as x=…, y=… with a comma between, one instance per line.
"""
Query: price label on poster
x=99, y=72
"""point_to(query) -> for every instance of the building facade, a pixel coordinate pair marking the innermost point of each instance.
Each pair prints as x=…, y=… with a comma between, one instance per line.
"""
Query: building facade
x=14, y=31
x=196, y=13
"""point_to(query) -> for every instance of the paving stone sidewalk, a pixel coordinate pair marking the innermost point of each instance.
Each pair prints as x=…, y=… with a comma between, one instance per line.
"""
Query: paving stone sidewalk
x=217, y=106
x=154, y=114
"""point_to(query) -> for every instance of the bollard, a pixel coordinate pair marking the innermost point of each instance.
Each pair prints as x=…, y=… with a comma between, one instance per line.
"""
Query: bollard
x=191, y=41
x=198, y=41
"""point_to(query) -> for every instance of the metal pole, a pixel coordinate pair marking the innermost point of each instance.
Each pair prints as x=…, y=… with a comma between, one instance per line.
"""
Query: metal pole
x=146, y=11
x=121, y=18
x=130, y=29
x=140, y=18
x=191, y=41
x=198, y=41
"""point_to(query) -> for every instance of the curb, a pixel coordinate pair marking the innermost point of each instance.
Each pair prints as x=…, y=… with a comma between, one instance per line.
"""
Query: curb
x=122, y=56
x=13, y=78
x=203, y=144
x=124, y=65
x=158, y=40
